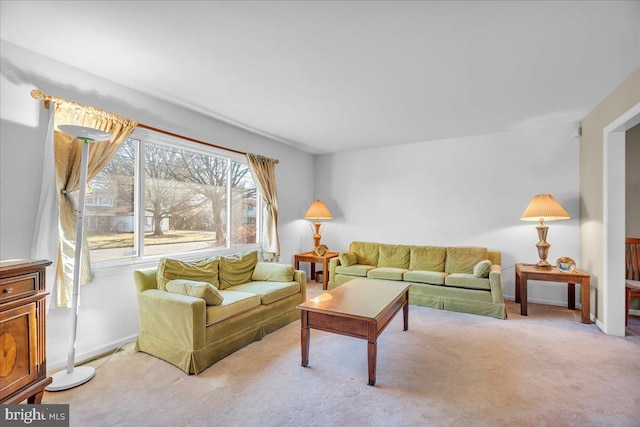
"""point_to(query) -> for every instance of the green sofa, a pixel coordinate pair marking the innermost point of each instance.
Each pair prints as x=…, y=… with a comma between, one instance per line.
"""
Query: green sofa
x=247, y=300
x=464, y=279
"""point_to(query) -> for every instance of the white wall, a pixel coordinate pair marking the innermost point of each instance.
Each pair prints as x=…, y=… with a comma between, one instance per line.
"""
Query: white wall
x=463, y=191
x=108, y=313
x=632, y=171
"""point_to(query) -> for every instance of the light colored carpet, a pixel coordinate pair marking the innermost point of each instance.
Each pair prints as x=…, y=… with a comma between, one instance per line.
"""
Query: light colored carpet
x=546, y=369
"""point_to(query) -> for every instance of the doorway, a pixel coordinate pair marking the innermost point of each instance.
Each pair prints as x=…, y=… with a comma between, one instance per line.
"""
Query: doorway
x=614, y=178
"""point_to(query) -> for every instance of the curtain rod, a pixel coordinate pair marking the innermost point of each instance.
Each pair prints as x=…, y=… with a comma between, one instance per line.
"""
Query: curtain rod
x=39, y=95
x=189, y=139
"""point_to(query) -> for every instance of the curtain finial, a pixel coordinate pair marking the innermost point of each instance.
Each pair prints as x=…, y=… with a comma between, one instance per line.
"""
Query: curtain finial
x=41, y=96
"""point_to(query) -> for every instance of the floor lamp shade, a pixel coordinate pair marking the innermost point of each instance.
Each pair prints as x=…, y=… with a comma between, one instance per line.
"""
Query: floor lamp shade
x=73, y=376
x=544, y=207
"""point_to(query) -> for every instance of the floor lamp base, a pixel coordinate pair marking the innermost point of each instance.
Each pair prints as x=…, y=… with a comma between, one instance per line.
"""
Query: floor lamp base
x=64, y=380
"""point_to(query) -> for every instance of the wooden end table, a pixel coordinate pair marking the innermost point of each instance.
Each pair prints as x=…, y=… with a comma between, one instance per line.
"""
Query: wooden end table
x=360, y=309
x=313, y=259
x=526, y=272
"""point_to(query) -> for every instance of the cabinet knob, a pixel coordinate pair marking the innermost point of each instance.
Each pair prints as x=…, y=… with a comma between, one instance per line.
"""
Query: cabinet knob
x=8, y=290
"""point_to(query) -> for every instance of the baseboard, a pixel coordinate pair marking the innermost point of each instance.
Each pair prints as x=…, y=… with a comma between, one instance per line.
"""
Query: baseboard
x=543, y=301
x=598, y=322
x=87, y=356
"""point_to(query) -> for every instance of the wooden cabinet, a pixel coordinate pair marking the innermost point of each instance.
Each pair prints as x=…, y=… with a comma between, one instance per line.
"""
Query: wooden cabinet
x=23, y=361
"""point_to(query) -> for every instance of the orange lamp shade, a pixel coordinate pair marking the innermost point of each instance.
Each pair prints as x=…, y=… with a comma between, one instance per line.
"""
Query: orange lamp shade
x=317, y=211
x=544, y=207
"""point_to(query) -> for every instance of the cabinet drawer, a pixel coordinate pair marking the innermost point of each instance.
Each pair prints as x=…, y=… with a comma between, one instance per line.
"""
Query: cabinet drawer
x=18, y=286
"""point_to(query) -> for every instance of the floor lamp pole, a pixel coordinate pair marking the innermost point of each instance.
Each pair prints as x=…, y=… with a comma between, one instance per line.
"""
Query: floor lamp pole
x=75, y=376
x=77, y=264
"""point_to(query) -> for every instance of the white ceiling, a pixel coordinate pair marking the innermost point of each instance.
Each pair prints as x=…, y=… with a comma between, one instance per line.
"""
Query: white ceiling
x=330, y=76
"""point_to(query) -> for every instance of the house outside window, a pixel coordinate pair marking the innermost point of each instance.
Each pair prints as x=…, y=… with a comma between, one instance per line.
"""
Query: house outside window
x=165, y=196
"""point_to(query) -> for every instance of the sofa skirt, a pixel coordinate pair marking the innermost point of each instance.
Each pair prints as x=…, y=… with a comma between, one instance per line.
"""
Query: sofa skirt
x=497, y=310
x=446, y=298
x=197, y=360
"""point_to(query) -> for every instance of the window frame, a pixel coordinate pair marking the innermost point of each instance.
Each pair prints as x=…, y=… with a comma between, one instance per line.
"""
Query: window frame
x=142, y=135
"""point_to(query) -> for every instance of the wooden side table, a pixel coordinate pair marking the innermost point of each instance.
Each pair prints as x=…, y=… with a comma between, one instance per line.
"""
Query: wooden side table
x=313, y=259
x=525, y=272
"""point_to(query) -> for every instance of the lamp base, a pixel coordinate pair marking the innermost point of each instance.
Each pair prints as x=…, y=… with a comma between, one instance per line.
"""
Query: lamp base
x=543, y=246
x=64, y=380
x=543, y=263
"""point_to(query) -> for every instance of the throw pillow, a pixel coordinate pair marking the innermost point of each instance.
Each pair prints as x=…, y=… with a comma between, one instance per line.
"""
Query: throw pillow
x=203, y=270
x=237, y=269
x=203, y=290
x=482, y=269
x=347, y=259
x=272, y=272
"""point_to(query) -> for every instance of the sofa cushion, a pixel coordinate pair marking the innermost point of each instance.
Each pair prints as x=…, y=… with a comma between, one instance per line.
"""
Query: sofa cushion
x=269, y=291
x=237, y=269
x=427, y=258
x=463, y=259
x=359, y=270
x=396, y=256
x=272, y=272
x=367, y=253
x=203, y=270
x=420, y=276
x=387, y=273
x=203, y=290
x=347, y=258
x=467, y=281
x=482, y=269
x=233, y=303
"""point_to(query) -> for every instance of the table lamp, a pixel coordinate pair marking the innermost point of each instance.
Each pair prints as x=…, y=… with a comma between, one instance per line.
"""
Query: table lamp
x=73, y=376
x=543, y=207
x=318, y=211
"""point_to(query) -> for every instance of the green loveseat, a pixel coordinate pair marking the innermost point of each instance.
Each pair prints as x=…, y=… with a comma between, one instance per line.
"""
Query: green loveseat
x=252, y=300
x=464, y=279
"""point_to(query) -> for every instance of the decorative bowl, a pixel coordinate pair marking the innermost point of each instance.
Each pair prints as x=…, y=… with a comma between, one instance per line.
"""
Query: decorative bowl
x=566, y=264
x=320, y=250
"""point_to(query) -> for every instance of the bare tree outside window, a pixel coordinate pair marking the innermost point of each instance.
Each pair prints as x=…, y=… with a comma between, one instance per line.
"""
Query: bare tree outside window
x=209, y=174
x=109, y=207
x=244, y=205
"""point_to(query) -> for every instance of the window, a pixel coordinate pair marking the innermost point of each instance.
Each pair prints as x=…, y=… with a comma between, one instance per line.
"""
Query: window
x=162, y=196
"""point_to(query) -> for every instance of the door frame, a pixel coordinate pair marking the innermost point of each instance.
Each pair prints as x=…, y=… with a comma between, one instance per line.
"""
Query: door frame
x=613, y=220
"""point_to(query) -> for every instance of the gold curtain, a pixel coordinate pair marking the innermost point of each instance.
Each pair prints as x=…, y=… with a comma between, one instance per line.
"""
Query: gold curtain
x=263, y=170
x=67, y=153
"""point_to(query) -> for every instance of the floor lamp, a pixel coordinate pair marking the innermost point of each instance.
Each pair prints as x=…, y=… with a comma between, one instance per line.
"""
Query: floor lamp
x=74, y=377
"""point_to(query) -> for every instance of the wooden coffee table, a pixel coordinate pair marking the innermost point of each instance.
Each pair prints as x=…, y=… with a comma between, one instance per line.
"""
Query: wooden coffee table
x=359, y=308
